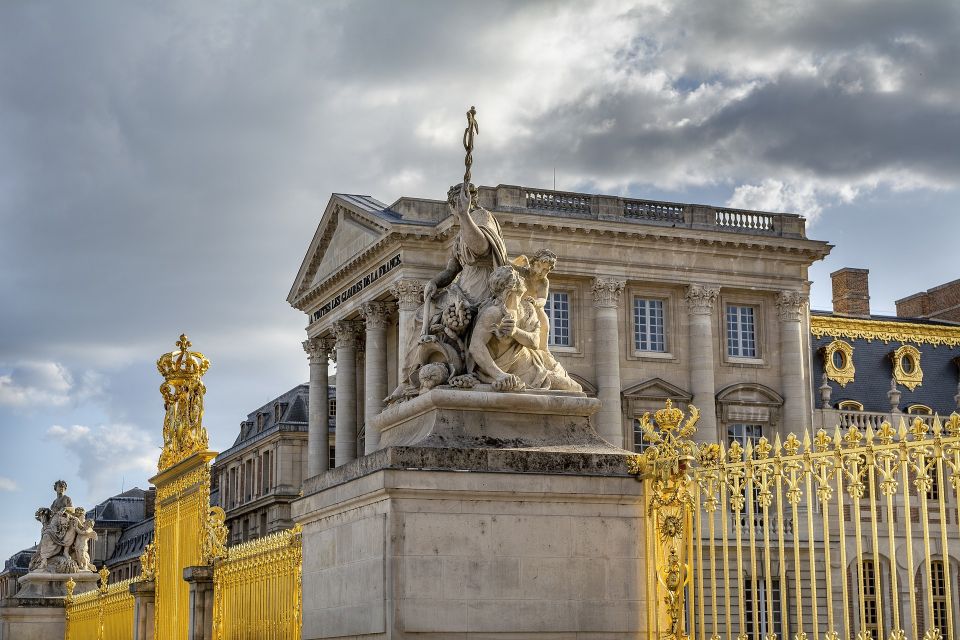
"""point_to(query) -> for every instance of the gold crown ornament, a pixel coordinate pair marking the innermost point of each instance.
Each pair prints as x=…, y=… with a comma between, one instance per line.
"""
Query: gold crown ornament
x=182, y=391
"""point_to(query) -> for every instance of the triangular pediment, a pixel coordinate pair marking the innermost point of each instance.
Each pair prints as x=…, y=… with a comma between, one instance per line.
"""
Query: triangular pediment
x=343, y=233
x=657, y=389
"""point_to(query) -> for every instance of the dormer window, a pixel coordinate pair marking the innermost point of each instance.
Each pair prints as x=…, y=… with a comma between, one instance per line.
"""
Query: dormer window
x=261, y=418
x=849, y=405
x=919, y=410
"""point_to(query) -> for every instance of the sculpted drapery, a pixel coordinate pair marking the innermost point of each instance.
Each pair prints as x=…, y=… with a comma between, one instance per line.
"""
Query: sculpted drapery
x=65, y=536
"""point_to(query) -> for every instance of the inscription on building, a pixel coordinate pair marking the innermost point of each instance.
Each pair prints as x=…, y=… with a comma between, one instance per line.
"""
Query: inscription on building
x=357, y=287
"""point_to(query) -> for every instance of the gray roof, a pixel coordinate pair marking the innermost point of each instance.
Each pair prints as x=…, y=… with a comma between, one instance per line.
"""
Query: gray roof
x=124, y=508
x=132, y=541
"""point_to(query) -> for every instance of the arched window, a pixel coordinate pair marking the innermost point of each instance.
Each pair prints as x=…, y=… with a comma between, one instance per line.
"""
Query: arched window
x=938, y=589
x=868, y=598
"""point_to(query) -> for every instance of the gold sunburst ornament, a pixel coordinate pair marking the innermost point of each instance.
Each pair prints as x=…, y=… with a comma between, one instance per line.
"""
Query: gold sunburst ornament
x=182, y=390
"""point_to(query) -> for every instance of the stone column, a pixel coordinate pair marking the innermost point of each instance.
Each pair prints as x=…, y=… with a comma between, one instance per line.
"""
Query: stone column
x=346, y=425
x=606, y=303
x=700, y=301
x=409, y=295
x=318, y=454
x=143, y=605
x=200, y=579
x=376, y=315
x=796, y=392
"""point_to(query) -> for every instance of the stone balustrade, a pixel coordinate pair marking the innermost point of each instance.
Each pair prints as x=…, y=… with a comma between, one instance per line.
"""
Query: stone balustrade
x=691, y=216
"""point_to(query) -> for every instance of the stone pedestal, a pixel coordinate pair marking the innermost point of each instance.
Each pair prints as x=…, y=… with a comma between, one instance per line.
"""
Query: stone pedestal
x=144, y=600
x=485, y=515
x=32, y=620
x=39, y=585
x=200, y=579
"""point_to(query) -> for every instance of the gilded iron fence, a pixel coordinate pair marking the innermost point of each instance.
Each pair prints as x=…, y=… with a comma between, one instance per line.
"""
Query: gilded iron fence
x=257, y=589
x=105, y=613
x=850, y=535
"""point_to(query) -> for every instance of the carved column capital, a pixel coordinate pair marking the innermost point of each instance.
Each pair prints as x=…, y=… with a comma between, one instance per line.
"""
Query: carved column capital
x=319, y=349
x=606, y=291
x=700, y=298
x=790, y=305
x=376, y=314
x=346, y=333
x=408, y=292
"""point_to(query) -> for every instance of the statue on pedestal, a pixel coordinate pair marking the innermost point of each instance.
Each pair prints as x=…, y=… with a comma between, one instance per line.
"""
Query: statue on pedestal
x=441, y=351
x=64, y=537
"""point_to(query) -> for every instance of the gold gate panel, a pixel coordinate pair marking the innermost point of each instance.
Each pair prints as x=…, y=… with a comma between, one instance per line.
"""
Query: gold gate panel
x=853, y=535
x=105, y=613
x=257, y=589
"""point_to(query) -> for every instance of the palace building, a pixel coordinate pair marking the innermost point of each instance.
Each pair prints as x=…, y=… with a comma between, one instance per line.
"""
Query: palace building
x=648, y=301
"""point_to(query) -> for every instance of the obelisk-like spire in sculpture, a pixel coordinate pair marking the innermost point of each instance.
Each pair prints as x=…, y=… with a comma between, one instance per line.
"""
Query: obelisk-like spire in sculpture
x=472, y=129
x=182, y=390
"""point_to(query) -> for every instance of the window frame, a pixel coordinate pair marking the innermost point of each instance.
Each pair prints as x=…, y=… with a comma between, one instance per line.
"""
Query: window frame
x=761, y=307
x=570, y=316
x=664, y=320
x=671, y=329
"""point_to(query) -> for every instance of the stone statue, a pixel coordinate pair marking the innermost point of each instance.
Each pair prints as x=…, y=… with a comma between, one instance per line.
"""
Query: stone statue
x=439, y=348
x=506, y=338
x=65, y=536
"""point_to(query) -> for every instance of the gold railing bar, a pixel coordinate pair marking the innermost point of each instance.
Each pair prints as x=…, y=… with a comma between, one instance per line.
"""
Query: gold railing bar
x=890, y=491
x=698, y=562
x=727, y=590
x=738, y=529
x=841, y=528
x=811, y=541
x=794, y=501
x=872, y=479
x=922, y=469
x=855, y=487
x=781, y=548
x=750, y=495
x=905, y=483
x=767, y=568
x=713, y=570
x=944, y=538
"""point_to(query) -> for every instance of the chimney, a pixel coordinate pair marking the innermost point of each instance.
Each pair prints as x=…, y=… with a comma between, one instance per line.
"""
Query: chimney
x=851, y=293
x=149, y=502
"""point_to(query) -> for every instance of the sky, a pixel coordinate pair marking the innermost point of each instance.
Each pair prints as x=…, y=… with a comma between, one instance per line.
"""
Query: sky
x=163, y=167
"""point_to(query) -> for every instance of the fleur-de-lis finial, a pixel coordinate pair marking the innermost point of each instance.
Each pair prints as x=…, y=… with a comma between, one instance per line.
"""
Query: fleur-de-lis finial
x=184, y=342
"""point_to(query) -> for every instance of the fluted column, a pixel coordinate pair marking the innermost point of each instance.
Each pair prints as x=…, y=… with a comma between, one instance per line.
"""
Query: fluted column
x=318, y=454
x=796, y=392
x=346, y=424
x=409, y=295
x=700, y=300
x=606, y=302
x=376, y=315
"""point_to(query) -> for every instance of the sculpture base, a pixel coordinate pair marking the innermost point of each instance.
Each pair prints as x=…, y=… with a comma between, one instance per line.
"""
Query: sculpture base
x=29, y=620
x=483, y=418
x=488, y=522
x=39, y=585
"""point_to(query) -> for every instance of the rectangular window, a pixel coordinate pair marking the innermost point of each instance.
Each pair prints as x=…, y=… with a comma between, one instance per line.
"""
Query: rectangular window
x=557, y=309
x=938, y=588
x=741, y=332
x=868, y=598
x=743, y=433
x=648, y=325
x=332, y=407
x=332, y=461
x=760, y=605
x=640, y=443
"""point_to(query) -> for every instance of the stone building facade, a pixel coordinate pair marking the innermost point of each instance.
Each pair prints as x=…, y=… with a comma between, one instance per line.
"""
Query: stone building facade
x=649, y=301
x=261, y=474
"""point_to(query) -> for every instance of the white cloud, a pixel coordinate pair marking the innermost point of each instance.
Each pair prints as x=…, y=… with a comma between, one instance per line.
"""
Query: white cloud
x=6, y=484
x=39, y=384
x=107, y=453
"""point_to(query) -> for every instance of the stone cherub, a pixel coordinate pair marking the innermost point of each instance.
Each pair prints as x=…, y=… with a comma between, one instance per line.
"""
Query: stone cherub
x=64, y=537
x=506, y=338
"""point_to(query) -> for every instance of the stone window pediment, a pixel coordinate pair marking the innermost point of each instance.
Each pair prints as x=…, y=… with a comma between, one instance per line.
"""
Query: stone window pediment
x=748, y=402
x=652, y=394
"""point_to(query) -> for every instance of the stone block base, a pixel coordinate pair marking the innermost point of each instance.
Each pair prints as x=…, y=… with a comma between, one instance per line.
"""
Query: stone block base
x=534, y=531
x=31, y=622
x=38, y=585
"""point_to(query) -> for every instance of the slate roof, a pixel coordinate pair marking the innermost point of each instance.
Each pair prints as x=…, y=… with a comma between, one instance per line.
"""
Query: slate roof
x=378, y=209
x=122, y=509
x=20, y=561
x=132, y=541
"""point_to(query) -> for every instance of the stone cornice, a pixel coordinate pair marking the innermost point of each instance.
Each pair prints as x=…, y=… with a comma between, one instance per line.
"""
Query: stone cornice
x=885, y=331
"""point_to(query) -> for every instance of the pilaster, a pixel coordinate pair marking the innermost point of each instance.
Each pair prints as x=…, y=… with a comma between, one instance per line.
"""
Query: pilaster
x=606, y=300
x=700, y=302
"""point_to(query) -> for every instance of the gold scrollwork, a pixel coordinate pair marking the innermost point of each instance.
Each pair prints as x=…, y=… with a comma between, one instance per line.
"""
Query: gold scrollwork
x=148, y=562
x=906, y=366
x=214, y=546
x=838, y=362
x=885, y=331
